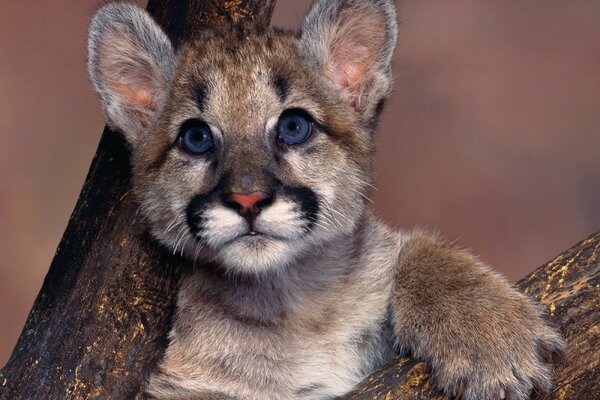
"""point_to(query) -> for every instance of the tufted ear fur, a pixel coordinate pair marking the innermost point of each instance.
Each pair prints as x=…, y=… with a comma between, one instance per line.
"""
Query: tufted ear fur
x=131, y=63
x=352, y=42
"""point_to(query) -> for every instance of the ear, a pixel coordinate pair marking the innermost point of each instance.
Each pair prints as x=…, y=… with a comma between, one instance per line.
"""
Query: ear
x=131, y=63
x=352, y=42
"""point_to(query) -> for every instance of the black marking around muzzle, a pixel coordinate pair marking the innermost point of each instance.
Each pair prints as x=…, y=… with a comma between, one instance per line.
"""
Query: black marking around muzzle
x=308, y=200
x=194, y=212
x=282, y=87
x=196, y=207
x=303, y=196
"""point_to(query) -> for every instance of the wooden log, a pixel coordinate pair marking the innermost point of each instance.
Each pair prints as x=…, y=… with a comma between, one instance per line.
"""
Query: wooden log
x=100, y=322
x=568, y=287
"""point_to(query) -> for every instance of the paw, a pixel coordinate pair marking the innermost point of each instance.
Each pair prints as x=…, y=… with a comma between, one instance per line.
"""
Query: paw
x=509, y=361
x=481, y=338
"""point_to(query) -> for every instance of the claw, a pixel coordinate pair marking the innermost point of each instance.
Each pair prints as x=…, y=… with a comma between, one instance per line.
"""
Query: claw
x=502, y=394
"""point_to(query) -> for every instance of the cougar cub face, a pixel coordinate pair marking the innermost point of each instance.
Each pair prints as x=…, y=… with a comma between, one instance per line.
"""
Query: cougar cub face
x=251, y=147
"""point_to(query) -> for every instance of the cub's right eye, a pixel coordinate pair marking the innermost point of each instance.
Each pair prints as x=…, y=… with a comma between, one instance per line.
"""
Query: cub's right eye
x=195, y=137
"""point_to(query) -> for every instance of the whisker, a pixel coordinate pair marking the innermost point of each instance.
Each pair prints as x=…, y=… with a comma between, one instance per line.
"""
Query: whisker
x=185, y=242
x=177, y=221
x=314, y=238
x=365, y=197
x=367, y=183
x=321, y=226
x=178, y=240
x=331, y=210
x=329, y=221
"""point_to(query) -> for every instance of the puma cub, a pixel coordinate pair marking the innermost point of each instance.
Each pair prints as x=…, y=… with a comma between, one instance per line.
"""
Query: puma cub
x=252, y=153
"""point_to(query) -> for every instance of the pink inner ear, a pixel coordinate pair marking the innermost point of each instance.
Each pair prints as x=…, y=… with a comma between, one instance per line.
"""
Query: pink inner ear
x=138, y=95
x=141, y=98
x=350, y=69
x=356, y=44
x=128, y=75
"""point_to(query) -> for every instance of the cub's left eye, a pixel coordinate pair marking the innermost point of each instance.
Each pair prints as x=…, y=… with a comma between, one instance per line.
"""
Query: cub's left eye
x=294, y=127
x=195, y=137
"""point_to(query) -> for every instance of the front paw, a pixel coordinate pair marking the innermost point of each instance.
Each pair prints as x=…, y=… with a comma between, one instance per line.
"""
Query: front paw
x=508, y=359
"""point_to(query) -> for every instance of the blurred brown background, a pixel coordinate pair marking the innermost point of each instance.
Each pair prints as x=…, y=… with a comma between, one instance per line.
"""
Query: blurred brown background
x=492, y=135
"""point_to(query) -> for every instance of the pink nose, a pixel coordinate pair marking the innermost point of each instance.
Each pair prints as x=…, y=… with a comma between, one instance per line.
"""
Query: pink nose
x=247, y=204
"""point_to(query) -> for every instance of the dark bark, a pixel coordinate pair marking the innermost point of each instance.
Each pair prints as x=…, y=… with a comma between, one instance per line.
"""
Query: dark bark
x=181, y=19
x=100, y=322
x=568, y=287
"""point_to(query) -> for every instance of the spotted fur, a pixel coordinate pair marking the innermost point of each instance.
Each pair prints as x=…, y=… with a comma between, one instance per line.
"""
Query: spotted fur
x=314, y=293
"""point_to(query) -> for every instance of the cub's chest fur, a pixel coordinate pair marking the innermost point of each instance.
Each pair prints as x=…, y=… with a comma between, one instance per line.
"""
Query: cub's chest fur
x=289, y=337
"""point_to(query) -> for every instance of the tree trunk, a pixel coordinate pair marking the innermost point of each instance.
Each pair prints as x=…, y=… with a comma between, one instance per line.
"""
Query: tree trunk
x=100, y=322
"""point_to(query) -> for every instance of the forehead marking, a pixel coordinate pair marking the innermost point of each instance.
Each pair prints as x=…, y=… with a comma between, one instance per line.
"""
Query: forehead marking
x=282, y=87
x=200, y=96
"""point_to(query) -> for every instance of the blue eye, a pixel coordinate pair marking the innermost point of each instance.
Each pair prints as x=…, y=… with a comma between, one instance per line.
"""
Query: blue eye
x=294, y=127
x=195, y=137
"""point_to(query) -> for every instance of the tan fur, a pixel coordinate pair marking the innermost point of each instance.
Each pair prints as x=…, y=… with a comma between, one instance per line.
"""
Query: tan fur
x=324, y=293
